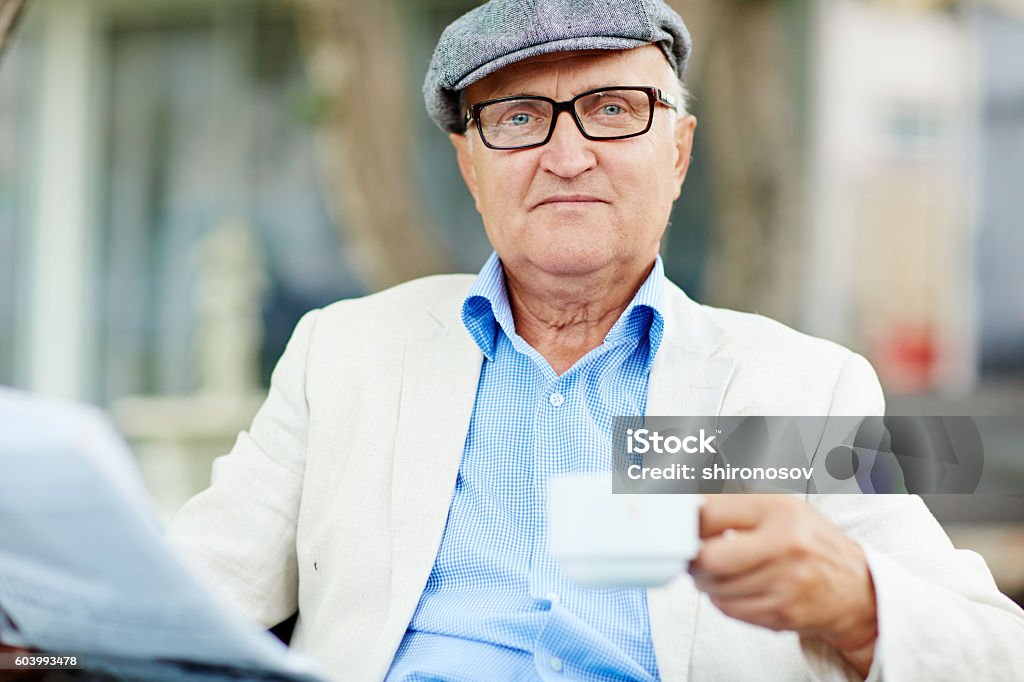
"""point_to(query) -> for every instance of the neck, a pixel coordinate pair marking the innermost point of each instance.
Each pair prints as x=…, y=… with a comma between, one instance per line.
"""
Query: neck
x=564, y=318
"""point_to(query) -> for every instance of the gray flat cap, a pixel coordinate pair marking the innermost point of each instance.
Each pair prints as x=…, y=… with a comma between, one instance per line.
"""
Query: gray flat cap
x=503, y=32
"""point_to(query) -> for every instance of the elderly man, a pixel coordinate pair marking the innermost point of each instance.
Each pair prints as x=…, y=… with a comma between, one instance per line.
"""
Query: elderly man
x=392, y=488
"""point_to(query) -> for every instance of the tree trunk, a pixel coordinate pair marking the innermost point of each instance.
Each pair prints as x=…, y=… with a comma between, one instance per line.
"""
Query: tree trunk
x=744, y=79
x=10, y=13
x=365, y=145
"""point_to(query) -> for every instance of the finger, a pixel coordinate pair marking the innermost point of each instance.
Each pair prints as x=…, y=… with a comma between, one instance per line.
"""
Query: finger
x=721, y=512
x=760, y=610
x=756, y=582
x=731, y=554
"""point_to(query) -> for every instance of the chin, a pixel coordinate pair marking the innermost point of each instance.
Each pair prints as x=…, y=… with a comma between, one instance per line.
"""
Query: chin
x=566, y=247
x=566, y=260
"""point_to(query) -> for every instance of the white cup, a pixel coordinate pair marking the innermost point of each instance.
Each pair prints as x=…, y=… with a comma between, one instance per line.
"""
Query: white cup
x=608, y=540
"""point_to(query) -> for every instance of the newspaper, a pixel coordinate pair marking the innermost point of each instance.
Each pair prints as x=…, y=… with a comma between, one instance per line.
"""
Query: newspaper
x=84, y=568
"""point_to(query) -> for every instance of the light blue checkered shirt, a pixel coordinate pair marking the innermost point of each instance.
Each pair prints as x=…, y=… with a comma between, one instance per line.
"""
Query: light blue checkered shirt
x=496, y=605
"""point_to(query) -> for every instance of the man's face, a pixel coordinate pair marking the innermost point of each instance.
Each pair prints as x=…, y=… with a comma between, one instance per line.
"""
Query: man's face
x=576, y=206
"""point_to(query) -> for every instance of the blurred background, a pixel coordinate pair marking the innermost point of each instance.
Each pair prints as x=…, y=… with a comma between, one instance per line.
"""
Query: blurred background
x=181, y=179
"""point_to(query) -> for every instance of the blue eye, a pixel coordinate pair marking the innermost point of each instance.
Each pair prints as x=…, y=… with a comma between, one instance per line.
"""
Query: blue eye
x=611, y=109
x=519, y=119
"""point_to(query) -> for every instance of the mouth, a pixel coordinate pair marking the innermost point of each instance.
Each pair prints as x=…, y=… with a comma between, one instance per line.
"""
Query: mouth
x=568, y=199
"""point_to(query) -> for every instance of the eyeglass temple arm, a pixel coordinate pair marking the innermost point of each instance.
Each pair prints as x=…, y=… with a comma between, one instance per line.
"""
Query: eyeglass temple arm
x=666, y=99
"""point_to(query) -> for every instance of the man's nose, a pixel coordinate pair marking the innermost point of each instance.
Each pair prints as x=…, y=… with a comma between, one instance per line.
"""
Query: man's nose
x=567, y=154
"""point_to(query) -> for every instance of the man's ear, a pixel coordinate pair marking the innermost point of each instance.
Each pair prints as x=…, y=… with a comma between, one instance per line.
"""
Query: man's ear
x=464, y=157
x=685, y=128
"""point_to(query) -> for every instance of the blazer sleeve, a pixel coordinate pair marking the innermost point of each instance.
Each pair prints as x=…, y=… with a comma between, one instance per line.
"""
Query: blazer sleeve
x=940, y=614
x=239, y=534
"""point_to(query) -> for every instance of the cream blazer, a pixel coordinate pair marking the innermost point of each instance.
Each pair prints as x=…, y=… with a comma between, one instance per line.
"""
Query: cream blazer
x=333, y=503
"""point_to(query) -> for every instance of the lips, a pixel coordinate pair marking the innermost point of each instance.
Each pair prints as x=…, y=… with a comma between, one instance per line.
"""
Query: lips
x=572, y=199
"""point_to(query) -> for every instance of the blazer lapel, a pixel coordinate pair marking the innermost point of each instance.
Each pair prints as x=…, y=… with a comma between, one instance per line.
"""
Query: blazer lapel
x=686, y=383
x=441, y=371
x=688, y=376
x=686, y=380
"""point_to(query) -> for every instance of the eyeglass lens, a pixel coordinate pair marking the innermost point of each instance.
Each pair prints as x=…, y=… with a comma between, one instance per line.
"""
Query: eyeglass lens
x=603, y=114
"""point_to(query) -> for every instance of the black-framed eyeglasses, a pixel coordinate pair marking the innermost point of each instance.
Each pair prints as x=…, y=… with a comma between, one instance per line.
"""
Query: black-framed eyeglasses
x=612, y=113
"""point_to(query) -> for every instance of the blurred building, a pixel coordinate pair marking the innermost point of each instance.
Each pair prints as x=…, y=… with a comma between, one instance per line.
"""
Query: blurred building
x=915, y=212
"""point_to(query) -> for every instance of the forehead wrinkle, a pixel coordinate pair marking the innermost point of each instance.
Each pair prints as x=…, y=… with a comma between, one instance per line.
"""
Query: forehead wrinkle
x=507, y=82
x=516, y=79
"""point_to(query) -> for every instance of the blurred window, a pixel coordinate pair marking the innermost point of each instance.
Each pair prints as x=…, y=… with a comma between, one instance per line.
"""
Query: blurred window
x=206, y=128
x=1001, y=203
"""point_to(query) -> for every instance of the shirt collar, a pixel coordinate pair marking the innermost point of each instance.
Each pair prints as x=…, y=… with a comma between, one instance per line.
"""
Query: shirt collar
x=486, y=310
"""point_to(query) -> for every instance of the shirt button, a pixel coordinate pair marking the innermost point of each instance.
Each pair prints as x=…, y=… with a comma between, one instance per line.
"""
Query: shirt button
x=556, y=664
x=556, y=399
x=552, y=597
